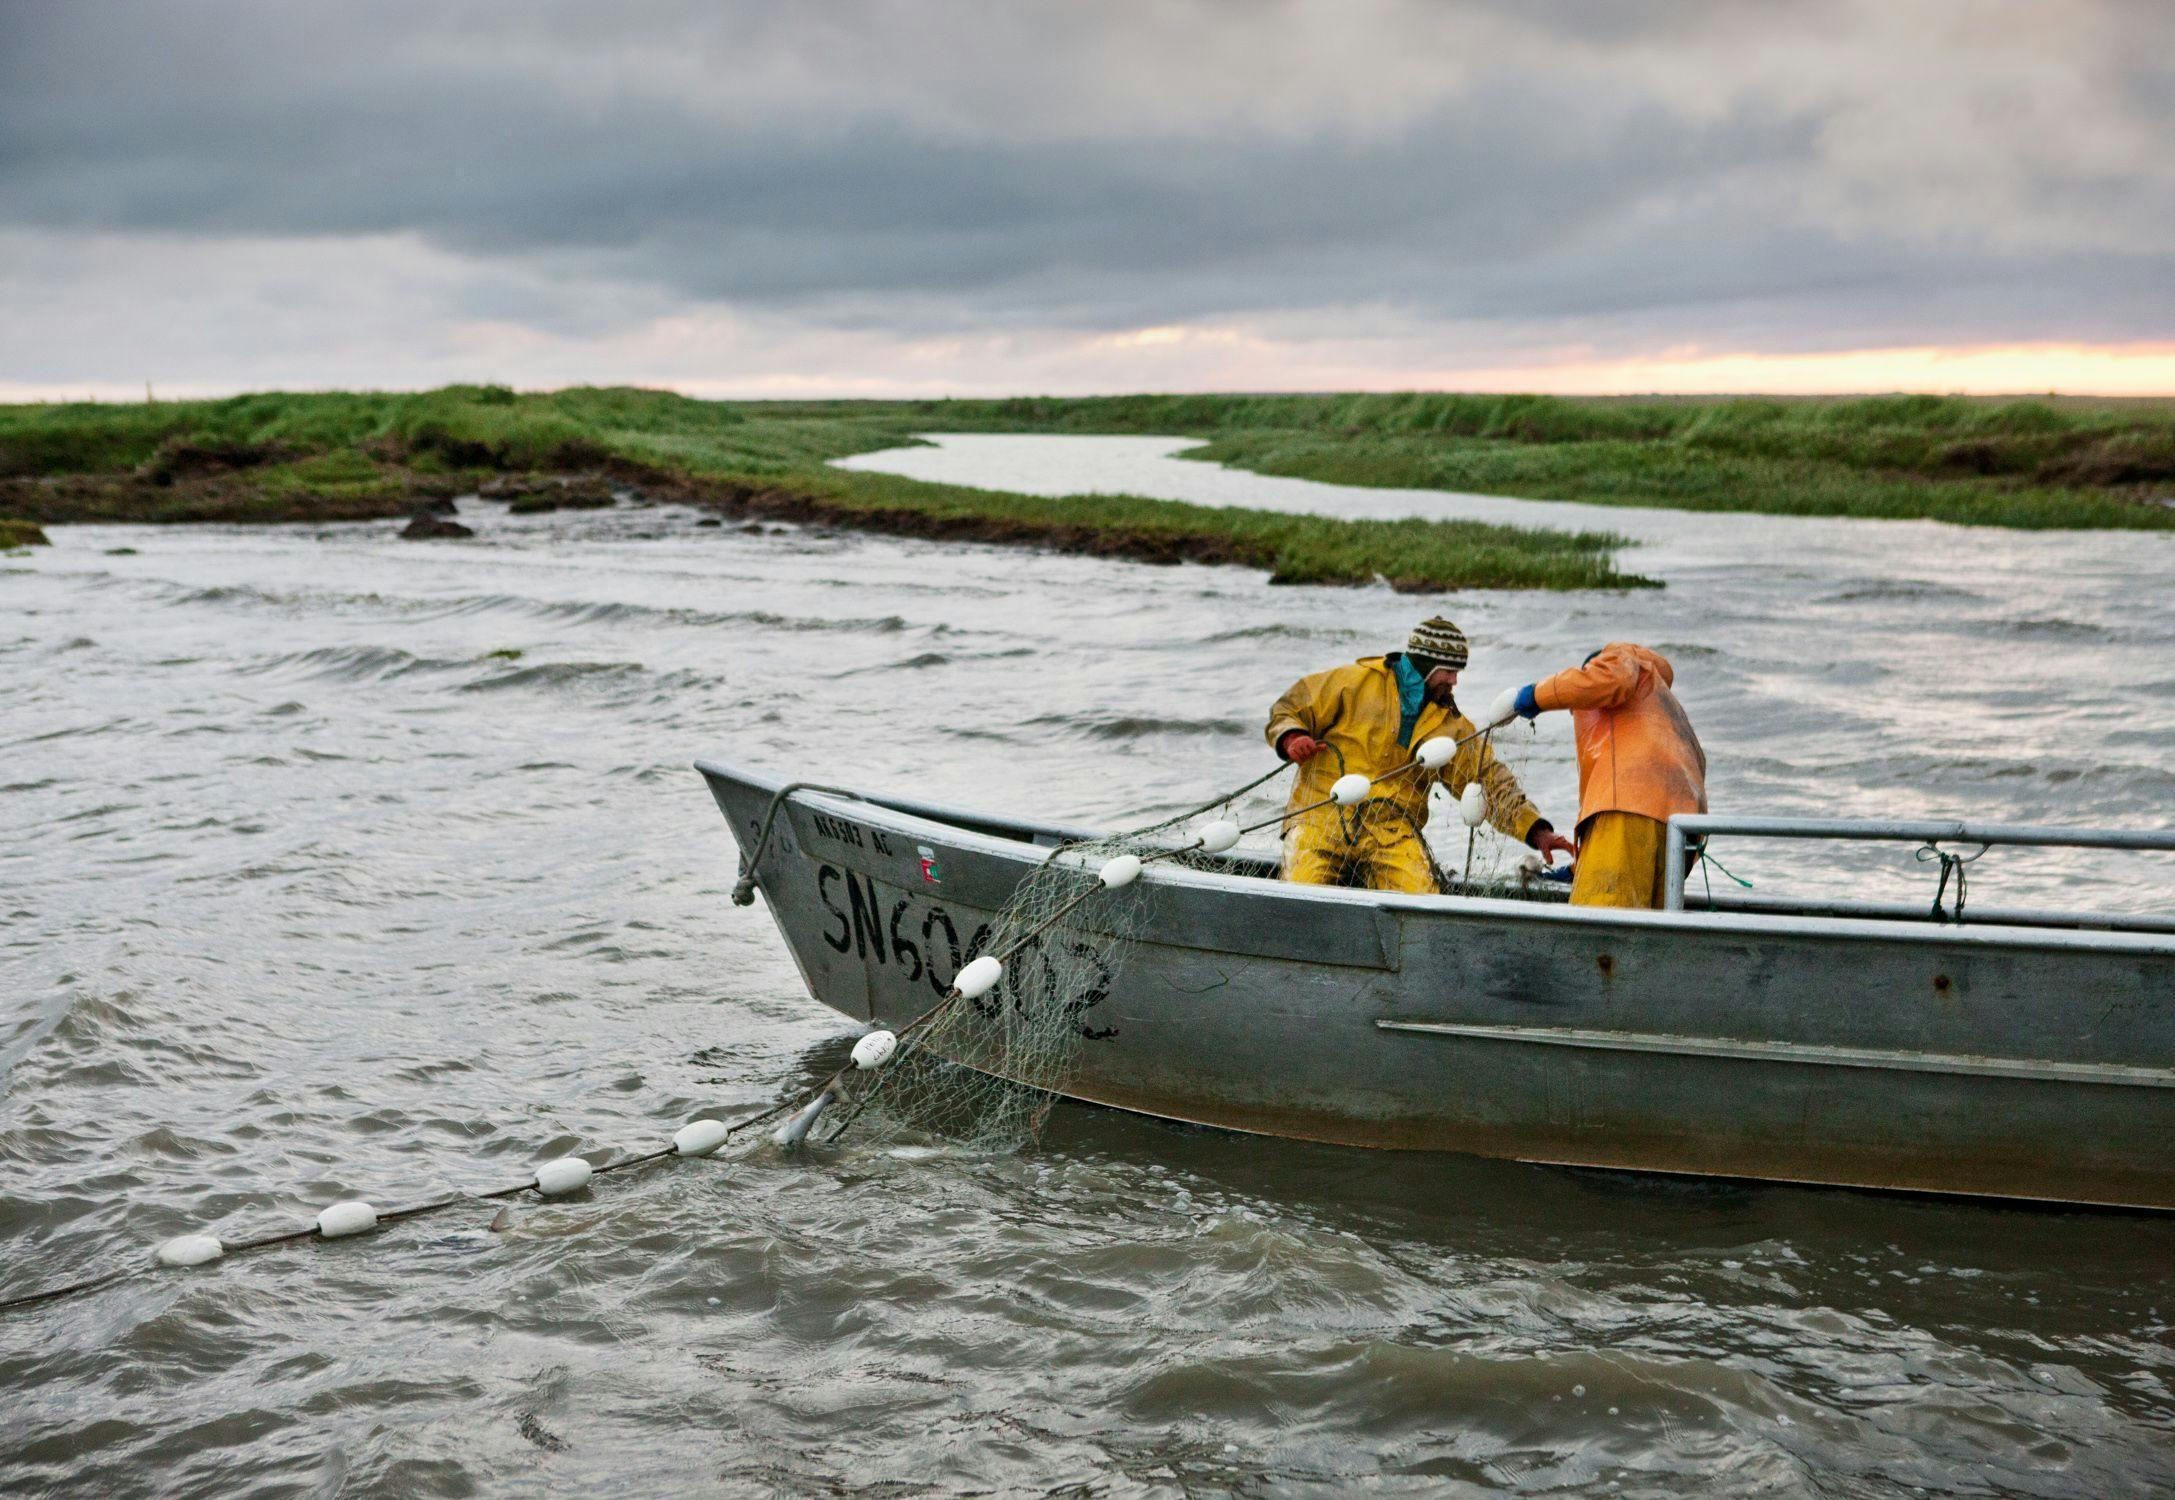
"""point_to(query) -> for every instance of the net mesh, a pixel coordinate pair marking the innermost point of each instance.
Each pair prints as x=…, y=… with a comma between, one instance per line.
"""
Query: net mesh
x=982, y=1074
x=1464, y=861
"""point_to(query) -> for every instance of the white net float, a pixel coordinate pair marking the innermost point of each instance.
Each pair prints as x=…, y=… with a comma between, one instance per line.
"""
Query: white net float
x=979, y=977
x=1473, y=804
x=1434, y=754
x=190, y=1250
x=1504, y=707
x=343, y=1219
x=699, y=1137
x=1350, y=789
x=1219, y=836
x=874, y=1050
x=569, y=1174
x=796, y=1128
x=1122, y=871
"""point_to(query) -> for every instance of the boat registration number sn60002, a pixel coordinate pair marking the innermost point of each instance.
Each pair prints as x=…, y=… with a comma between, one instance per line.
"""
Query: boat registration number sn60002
x=920, y=940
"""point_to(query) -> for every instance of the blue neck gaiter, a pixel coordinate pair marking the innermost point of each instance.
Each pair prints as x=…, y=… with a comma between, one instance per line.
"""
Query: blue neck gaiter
x=1411, y=693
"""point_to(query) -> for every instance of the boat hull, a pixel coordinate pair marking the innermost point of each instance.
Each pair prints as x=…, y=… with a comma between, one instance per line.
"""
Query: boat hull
x=2020, y=1063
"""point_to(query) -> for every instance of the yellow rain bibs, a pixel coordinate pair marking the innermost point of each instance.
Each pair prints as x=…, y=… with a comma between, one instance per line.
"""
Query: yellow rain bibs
x=1620, y=856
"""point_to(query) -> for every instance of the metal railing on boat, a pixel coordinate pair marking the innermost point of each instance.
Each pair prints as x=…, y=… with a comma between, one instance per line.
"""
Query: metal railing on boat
x=1929, y=834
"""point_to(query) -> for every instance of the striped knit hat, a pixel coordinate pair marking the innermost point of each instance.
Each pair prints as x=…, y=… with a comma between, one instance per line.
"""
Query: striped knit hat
x=1437, y=643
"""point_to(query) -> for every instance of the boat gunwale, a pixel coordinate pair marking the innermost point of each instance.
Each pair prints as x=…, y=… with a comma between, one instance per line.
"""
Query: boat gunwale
x=965, y=827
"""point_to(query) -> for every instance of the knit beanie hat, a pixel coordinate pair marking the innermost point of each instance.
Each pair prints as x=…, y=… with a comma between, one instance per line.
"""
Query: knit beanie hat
x=1437, y=643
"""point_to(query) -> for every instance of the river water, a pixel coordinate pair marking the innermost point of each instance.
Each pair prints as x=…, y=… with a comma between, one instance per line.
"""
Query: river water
x=310, y=895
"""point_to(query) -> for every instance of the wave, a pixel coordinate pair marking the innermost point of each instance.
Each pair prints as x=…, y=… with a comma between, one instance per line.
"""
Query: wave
x=613, y=611
x=389, y=663
x=1136, y=726
x=2052, y=628
x=73, y=731
x=558, y=674
x=353, y=663
x=593, y=676
x=1898, y=589
x=2077, y=778
x=567, y=611
x=1280, y=632
x=927, y=659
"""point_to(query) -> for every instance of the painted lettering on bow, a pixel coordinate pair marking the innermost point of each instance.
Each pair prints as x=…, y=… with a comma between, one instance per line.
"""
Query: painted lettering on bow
x=911, y=940
x=837, y=830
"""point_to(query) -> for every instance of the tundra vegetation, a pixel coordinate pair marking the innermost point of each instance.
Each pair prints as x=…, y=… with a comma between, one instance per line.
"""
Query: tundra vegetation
x=339, y=456
x=2074, y=463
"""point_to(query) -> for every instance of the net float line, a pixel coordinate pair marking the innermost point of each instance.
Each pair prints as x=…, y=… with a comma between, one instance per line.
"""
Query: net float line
x=565, y=1175
x=354, y=1216
x=570, y=1174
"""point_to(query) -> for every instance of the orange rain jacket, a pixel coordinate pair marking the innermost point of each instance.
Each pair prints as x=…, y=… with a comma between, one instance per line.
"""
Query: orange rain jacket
x=1356, y=709
x=1636, y=749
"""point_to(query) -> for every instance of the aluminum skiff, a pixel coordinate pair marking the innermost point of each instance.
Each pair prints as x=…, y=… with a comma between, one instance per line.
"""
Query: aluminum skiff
x=2018, y=1055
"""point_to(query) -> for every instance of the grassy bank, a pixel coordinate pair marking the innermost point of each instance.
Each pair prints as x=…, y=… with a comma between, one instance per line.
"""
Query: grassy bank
x=357, y=456
x=342, y=456
x=2018, y=463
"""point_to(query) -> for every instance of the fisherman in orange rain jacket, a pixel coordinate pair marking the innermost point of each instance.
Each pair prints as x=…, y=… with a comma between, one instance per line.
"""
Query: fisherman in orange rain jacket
x=1638, y=763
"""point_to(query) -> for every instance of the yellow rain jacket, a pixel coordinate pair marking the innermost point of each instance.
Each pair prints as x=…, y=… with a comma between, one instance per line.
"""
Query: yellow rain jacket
x=1638, y=763
x=1354, y=712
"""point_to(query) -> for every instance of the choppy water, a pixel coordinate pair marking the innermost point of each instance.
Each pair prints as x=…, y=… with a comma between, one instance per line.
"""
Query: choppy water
x=307, y=895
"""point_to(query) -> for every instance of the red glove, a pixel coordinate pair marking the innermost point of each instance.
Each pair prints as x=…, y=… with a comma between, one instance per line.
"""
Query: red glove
x=1297, y=745
x=1552, y=844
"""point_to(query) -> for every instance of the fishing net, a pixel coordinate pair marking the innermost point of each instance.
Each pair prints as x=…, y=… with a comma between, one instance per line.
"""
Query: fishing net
x=982, y=1073
x=1464, y=860
x=1483, y=861
x=1479, y=862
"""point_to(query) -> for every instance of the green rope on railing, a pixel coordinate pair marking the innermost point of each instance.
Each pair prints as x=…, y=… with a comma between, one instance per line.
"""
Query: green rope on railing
x=1706, y=859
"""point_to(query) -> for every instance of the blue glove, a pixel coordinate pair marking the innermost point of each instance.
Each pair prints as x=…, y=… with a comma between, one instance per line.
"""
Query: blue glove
x=1527, y=706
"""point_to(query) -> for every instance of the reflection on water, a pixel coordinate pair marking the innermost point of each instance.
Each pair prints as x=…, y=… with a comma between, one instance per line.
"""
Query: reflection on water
x=308, y=893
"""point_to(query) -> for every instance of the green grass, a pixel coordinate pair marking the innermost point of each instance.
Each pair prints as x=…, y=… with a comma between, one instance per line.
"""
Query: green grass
x=339, y=455
x=1671, y=476
x=2009, y=463
x=1412, y=555
x=2017, y=463
x=448, y=430
x=356, y=455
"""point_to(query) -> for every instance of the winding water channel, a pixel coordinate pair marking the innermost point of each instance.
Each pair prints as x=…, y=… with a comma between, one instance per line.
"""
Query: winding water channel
x=311, y=889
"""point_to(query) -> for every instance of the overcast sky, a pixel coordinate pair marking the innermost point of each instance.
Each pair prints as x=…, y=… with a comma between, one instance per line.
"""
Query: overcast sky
x=925, y=198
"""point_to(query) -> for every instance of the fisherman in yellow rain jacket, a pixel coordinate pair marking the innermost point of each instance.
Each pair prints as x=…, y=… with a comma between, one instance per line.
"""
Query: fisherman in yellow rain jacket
x=1638, y=764
x=1369, y=718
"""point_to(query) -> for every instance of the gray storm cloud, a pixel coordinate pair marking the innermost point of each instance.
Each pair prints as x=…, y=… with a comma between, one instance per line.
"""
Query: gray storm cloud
x=1799, y=177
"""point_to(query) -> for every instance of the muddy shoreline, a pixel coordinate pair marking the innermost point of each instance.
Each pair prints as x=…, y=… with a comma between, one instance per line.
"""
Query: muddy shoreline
x=226, y=492
x=334, y=456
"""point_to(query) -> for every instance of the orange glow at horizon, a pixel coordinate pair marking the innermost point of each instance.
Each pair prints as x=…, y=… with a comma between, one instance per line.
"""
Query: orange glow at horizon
x=1213, y=358
x=1989, y=370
